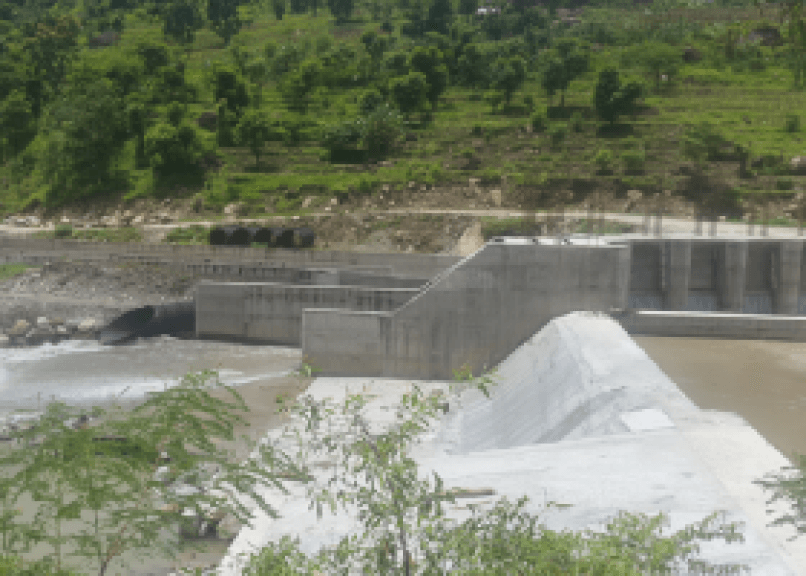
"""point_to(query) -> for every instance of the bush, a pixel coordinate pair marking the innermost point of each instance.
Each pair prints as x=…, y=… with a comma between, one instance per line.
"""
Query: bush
x=538, y=120
x=576, y=122
x=558, y=134
x=633, y=160
x=604, y=161
x=381, y=130
x=792, y=123
x=784, y=184
x=64, y=231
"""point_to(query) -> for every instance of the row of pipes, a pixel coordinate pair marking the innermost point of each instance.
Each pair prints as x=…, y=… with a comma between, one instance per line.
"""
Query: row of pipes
x=270, y=236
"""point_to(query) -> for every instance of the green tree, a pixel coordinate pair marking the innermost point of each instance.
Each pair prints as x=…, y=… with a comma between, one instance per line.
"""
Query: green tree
x=298, y=86
x=298, y=6
x=173, y=149
x=86, y=132
x=658, y=59
x=223, y=18
x=257, y=70
x=229, y=86
x=409, y=92
x=468, y=7
x=181, y=20
x=440, y=13
x=797, y=42
x=278, y=7
x=564, y=64
x=254, y=130
x=611, y=99
x=341, y=9
x=154, y=55
x=429, y=60
x=510, y=74
x=17, y=123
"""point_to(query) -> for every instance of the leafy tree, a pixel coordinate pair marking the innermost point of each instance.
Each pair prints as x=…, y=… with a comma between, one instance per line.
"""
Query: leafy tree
x=370, y=100
x=120, y=496
x=341, y=9
x=439, y=16
x=797, y=42
x=474, y=67
x=153, y=55
x=254, y=130
x=278, y=7
x=137, y=117
x=564, y=64
x=297, y=87
x=429, y=61
x=17, y=123
x=468, y=7
x=230, y=87
x=181, y=20
x=611, y=99
x=658, y=59
x=87, y=130
x=382, y=130
x=223, y=18
x=410, y=92
x=173, y=149
x=298, y=6
x=509, y=76
x=257, y=70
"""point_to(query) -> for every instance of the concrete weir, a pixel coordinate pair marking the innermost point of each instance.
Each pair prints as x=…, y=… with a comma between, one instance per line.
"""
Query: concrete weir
x=580, y=415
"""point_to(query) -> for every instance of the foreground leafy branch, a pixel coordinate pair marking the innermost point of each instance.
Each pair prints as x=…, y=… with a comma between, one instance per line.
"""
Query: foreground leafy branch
x=101, y=490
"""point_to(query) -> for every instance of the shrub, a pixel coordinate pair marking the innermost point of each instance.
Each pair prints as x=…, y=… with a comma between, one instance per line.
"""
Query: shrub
x=381, y=130
x=576, y=122
x=604, y=161
x=792, y=123
x=64, y=231
x=558, y=134
x=370, y=100
x=538, y=120
x=784, y=184
x=633, y=160
x=529, y=102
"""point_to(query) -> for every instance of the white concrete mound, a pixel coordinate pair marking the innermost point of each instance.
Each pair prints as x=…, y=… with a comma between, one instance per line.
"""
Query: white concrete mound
x=580, y=416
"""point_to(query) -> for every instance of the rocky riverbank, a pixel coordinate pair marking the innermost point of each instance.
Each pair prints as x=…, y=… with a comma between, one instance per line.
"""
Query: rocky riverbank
x=64, y=300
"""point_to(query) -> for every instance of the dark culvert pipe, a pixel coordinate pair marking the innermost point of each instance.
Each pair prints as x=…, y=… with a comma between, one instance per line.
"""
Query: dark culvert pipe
x=220, y=235
x=176, y=319
x=240, y=237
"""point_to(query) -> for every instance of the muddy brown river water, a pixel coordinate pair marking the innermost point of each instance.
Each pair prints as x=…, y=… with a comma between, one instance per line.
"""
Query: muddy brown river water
x=763, y=381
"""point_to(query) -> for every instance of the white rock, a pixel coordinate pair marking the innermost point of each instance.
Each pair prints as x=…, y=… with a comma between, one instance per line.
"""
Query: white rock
x=87, y=325
x=5, y=341
x=42, y=322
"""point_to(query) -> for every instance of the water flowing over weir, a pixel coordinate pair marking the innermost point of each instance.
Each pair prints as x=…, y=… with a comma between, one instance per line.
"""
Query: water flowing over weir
x=177, y=319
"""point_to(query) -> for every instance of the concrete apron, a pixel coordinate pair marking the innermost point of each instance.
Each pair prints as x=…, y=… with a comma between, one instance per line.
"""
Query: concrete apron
x=580, y=416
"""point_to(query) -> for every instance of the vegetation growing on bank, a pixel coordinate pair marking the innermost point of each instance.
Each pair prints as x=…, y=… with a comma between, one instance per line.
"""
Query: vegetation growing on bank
x=96, y=499
x=268, y=103
x=15, y=269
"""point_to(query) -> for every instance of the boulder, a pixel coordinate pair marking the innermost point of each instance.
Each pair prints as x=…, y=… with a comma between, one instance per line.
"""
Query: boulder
x=235, y=209
x=798, y=165
x=87, y=325
x=5, y=341
x=39, y=336
x=42, y=322
x=20, y=328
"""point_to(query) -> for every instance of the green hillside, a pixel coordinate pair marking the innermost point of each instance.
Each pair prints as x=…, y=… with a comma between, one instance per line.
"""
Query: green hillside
x=271, y=102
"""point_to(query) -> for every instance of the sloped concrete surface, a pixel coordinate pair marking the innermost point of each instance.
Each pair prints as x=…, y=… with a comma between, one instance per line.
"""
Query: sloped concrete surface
x=580, y=416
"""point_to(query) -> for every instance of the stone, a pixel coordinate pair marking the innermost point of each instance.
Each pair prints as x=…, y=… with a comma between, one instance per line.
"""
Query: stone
x=5, y=341
x=798, y=165
x=20, y=328
x=87, y=325
x=138, y=219
x=307, y=202
x=42, y=322
x=62, y=331
x=634, y=195
x=411, y=184
x=234, y=209
x=496, y=195
x=474, y=182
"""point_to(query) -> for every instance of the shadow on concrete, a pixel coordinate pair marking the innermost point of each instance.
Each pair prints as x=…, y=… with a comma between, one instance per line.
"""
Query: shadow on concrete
x=176, y=319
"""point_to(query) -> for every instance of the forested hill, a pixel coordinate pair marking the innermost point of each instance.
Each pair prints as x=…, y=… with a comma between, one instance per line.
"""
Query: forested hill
x=275, y=101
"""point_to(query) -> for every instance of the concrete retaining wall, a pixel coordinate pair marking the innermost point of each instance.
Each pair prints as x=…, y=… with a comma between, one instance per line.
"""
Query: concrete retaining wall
x=712, y=325
x=420, y=265
x=472, y=315
x=267, y=312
